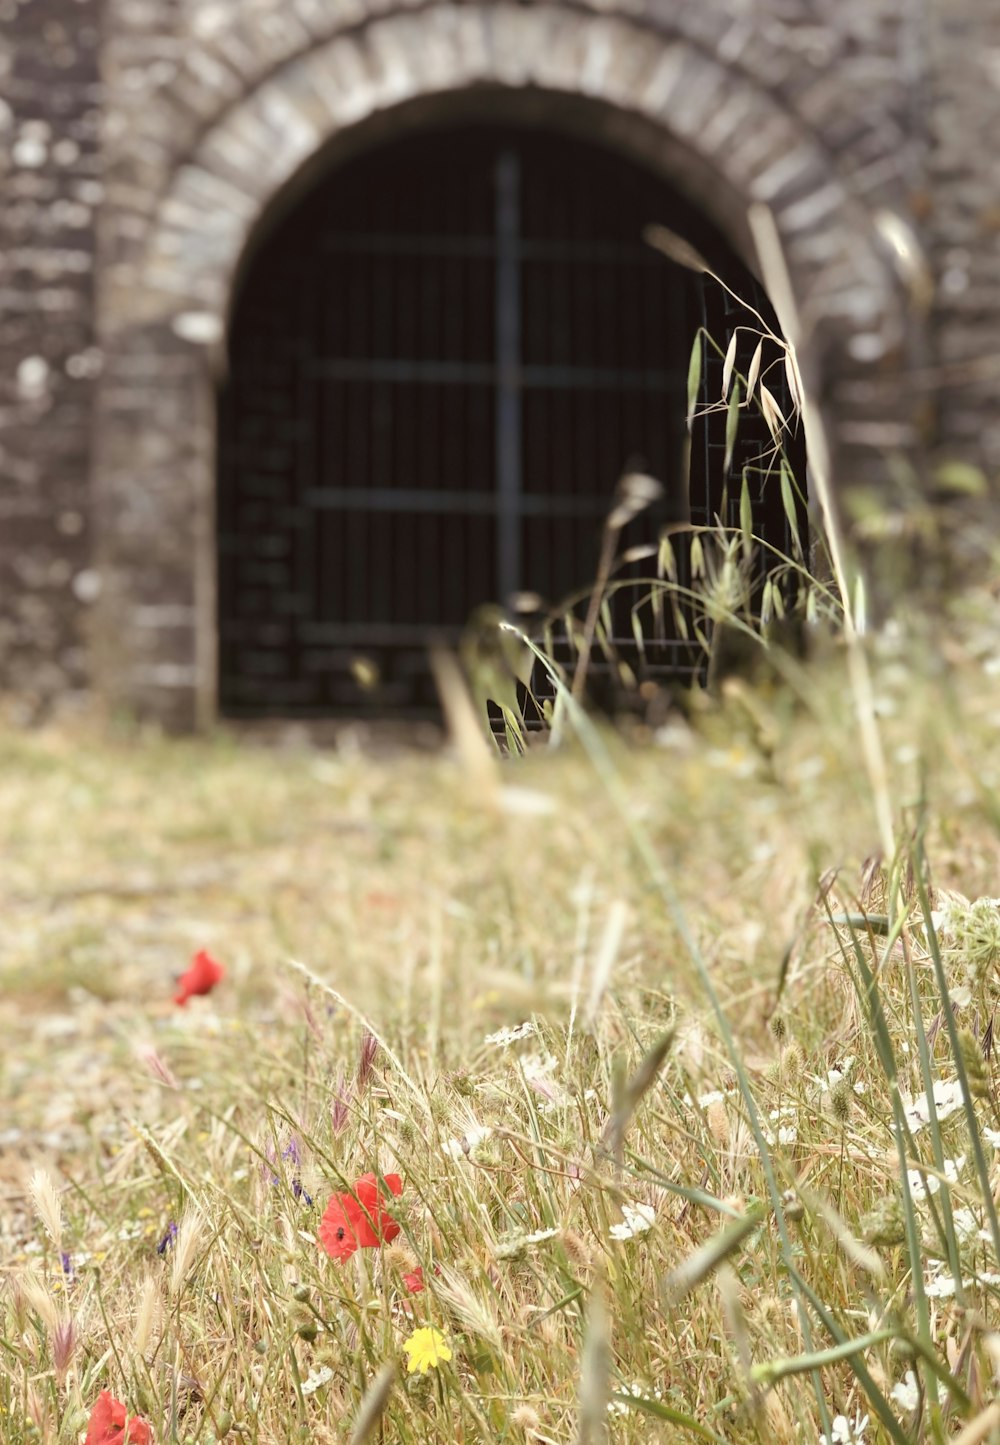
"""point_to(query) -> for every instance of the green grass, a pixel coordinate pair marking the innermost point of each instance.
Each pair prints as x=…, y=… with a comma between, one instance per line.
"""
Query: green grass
x=716, y=1024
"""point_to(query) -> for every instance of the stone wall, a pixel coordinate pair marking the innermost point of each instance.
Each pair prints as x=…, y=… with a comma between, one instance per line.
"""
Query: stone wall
x=956, y=194
x=854, y=123
x=50, y=191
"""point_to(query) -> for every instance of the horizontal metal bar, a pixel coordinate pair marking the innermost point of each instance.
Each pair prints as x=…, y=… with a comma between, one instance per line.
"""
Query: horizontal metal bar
x=388, y=243
x=476, y=373
x=452, y=503
x=375, y=634
x=250, y=632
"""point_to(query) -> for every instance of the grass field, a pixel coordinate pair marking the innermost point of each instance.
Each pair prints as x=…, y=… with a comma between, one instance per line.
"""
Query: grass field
x=684, y=1088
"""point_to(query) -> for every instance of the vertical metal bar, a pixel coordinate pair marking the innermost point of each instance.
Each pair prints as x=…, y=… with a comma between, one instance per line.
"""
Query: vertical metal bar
x=508, y=362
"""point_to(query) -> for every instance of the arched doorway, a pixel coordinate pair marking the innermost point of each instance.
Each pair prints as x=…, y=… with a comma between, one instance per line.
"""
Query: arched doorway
x=440, y=362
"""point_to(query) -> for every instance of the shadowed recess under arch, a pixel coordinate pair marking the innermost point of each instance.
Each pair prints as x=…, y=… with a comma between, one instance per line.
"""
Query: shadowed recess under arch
x=442, y=356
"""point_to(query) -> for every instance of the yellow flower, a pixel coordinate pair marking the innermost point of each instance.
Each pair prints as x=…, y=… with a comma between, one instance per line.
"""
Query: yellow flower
x=427, y=1348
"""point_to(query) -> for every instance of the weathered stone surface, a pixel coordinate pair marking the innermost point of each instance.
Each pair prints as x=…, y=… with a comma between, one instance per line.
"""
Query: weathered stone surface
x=144, y=140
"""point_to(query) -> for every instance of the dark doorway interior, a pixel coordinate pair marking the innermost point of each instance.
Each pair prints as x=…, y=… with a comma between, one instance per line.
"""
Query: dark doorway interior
x=440, y=363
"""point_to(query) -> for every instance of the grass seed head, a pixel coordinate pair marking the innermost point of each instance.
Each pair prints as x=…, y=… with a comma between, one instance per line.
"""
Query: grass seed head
x=975, y=1065
x=578, y=1252
x=47, y=1206
x=885, y=1225
x=526, y=1419
x=189, y=1233
x=147, y=1316
x=841, y=1101
x=64, y=1342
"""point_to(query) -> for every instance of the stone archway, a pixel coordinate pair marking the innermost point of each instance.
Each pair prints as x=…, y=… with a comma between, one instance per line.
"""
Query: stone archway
x=717, y=132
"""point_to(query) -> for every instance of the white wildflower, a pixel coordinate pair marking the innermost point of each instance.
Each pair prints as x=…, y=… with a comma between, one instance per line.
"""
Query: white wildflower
x=846, y=1432
x=906, y=1394
x=539, y=1066
x=920, y=1187
x=714, y=1096
x=942, y=921
x=839, y=1072
x=787, y=1134
x=318, y=1376
x=992, y=1136
x=940, y=1286
x=514, y=1245
x=461, y=1148
x=503, y=1038
x=539, y=1236
x=966, y=1223
x=636, y=1219
x=947, y=1099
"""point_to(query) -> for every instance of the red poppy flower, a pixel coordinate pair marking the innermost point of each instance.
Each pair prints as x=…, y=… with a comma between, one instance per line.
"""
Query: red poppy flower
x=413, y=1282
x=201, y=977
x=110, y=1425
x=358, y=1220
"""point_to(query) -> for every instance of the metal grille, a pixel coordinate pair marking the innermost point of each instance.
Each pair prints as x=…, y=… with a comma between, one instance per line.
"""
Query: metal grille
x=440, y=363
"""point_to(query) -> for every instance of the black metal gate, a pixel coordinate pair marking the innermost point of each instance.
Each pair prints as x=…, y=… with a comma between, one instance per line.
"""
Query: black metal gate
x=440, y=364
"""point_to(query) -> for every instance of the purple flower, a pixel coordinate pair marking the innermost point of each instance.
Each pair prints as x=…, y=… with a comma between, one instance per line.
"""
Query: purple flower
x=292, y=1152
x=167, y=1239
x=69, y=1272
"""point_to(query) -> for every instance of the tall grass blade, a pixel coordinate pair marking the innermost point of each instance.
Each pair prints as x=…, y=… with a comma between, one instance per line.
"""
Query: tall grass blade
x=732, y=427
x=707, y=1258
x=606, y=772
x=595, y=1366
x=975, y=1133
x=754, y=371
x=746, y=518
x=729, y=362
x=635, y=1087
x=694, y=377
x=373, y=1405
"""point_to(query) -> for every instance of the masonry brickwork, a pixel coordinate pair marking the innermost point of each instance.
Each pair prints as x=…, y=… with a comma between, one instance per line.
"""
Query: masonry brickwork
x=145, y=140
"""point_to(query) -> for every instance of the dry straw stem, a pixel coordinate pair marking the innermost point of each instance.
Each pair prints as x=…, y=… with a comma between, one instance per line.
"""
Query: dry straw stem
x=477, y=759
x=366, y=1023
x=373, y=1405
x=779, y=286
x=595, y=1364
x=858, y=1253
x=635, y=492
x=640, y=1082
x=983, y=1425
x=706, y=1259
x=607, y=953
